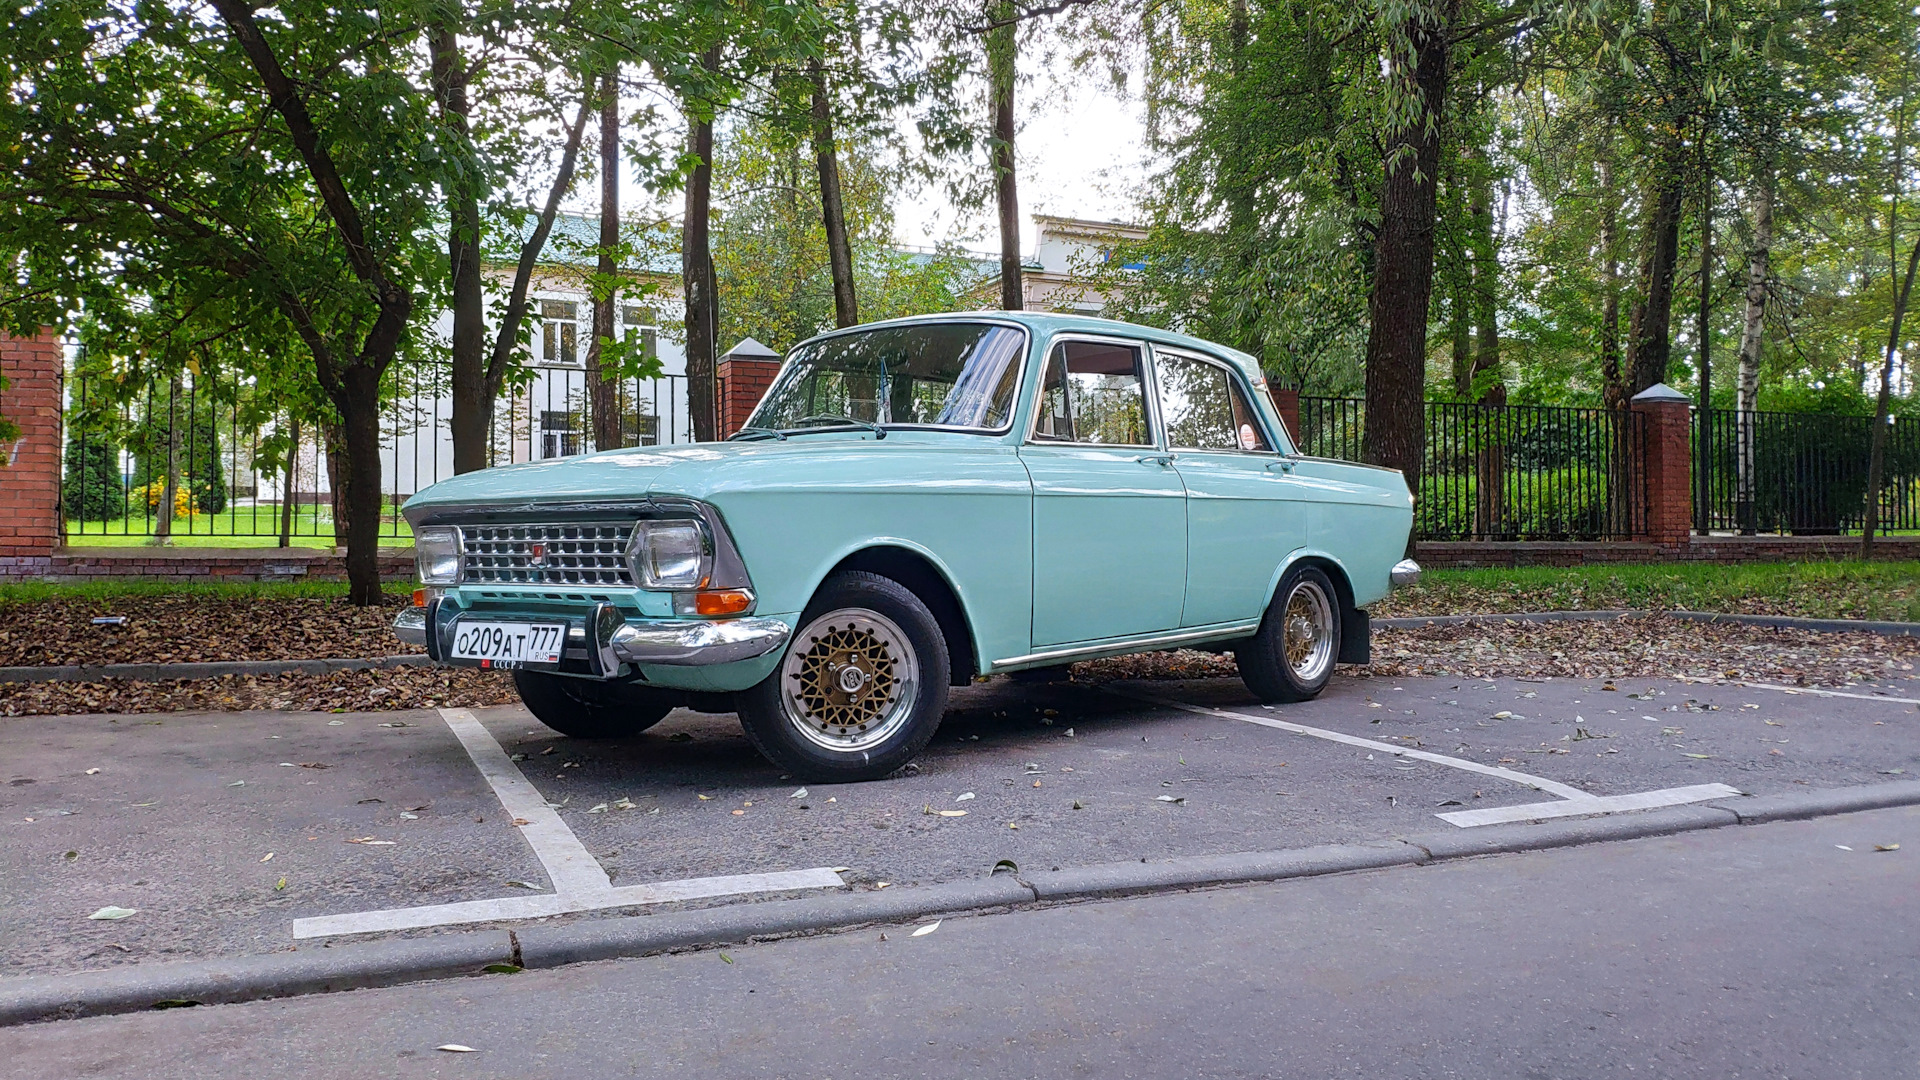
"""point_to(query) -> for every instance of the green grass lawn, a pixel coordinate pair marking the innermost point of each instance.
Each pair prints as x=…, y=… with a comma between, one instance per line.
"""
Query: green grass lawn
x=36, y=591
x=239, y=526
x=1821, y=590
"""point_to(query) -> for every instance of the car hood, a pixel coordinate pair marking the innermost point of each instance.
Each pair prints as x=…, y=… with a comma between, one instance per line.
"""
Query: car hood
x=689, y=470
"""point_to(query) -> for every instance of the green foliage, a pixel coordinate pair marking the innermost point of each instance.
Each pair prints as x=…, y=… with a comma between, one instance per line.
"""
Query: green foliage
x=92, y=490
x=770, y=247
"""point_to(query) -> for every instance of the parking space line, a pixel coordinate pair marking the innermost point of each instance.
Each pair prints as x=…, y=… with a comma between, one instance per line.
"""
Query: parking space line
x=1538, y=783
x=544, y=904
x=579, y=881
x=1575, y=803
x=1605, y=804
x=567, y=861
x=1828, y=693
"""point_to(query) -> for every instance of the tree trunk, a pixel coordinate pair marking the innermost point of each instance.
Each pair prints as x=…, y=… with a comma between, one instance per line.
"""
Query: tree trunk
x=601, y=385
x=286, y=500
x=472, y=399
x=696, y=269
x=359, y=404
x=1703, y=329
x=1649, y=347
x=1403, y=267
x=1877, y=452
x=170, y=483
x=1486, y=293
x=1002, y=64
x=337, y=471
x=846, y=304
x=1614, y=392
x=1747, y=391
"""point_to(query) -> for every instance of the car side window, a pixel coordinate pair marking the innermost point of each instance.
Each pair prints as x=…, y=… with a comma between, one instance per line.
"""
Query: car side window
x=1204, y=408
x=1094, y=392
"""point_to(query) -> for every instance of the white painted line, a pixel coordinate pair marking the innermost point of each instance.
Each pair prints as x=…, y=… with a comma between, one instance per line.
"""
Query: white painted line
x=1827, y=693
x=542, y=905
x=579, y=882
x=568, y=864
x=1524, y=780
x=1606, y=804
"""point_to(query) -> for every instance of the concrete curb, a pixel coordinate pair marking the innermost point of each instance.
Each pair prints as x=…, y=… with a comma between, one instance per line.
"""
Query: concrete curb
x=391, y=962
x=211, y=670
x=136, y=987
x=1773, y=622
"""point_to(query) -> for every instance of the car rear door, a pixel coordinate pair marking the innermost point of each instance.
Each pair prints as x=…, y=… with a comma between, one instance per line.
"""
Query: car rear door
x=1109, y=511
x=1242, y=515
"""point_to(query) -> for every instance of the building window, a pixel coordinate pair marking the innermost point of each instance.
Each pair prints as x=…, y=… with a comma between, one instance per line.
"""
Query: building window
x=642, y=429
x=559, y=332
x=559, y=434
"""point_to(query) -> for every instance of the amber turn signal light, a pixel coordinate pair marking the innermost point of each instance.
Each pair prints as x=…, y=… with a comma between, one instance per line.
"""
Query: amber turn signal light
x=419, y=598
x=722, y=602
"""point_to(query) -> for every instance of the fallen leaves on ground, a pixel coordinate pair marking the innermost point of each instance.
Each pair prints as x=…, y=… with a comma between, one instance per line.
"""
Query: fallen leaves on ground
x=190, y=629
x=347, y=691
x=1638, y=647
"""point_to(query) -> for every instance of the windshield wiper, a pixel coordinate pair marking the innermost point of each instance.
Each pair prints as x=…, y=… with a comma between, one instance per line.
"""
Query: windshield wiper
x=878, y=431
x=758, y=433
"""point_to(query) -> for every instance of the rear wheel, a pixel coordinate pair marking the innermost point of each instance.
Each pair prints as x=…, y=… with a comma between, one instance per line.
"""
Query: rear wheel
x=862, y=686
x=590, y=709
x=1291, y=658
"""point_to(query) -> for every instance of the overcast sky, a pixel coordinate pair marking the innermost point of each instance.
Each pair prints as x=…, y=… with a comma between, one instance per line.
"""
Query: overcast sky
x=1079, y=154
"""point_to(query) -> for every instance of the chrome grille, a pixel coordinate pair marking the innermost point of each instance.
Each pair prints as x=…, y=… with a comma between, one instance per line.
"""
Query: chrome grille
x=567, y=554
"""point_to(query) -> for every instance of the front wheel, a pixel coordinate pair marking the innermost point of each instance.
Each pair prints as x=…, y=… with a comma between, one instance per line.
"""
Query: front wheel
x=1292, y=655
x=862, y=686
x=589, y=709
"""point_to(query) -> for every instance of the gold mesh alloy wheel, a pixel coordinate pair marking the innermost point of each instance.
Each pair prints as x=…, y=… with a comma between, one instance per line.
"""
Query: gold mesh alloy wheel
x=849, y=680
x=1308, y=632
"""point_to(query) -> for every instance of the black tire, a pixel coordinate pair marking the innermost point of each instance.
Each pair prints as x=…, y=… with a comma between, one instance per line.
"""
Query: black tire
x=821, y=729
x=589, y=708
x=1265, y=663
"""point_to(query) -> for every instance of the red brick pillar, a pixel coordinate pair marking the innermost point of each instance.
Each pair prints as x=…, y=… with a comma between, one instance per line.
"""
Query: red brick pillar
x=30, y=473
x=1288, y=402
x=745, y=374
x=1666, y=471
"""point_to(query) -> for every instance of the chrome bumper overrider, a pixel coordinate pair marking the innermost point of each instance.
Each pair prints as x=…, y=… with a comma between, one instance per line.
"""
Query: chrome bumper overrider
x=674, y=643
x=1405, y=572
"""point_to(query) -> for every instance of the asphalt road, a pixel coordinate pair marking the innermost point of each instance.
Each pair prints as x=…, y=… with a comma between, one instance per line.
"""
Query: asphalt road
x=1785, y=950
x=179, y=814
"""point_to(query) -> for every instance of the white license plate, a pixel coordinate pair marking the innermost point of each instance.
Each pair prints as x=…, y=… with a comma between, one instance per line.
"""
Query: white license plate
x=506, y=644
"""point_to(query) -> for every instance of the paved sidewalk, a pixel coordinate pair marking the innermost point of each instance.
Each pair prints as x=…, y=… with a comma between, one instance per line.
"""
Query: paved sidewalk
x=1784, y=950
x=183, y=811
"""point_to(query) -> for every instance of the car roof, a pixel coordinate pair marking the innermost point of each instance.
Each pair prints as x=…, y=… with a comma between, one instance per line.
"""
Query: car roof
x=1043, y=323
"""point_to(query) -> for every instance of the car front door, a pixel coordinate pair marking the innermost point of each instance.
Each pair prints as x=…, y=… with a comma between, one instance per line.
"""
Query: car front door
x=1109, y=511
x=1242, y=520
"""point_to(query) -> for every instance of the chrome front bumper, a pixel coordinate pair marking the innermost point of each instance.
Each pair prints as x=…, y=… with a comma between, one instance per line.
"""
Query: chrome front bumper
x=672, y=643
x=1405, y=572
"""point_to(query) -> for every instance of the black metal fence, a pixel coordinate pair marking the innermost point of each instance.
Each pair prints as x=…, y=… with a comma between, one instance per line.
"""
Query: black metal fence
x=1767, y=472
x=243, y=469
x=1508, y=472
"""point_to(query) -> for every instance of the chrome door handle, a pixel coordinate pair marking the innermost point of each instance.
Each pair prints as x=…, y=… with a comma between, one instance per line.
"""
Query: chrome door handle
x=1285, y=465
x=1157, y=459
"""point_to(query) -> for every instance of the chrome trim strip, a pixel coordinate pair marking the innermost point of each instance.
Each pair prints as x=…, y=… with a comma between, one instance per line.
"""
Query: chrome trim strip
x=688, y=644
x=1217, y=632
x=410, y=626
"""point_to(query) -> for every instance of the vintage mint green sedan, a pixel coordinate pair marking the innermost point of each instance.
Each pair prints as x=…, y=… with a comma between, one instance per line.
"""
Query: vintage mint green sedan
x=915, y=504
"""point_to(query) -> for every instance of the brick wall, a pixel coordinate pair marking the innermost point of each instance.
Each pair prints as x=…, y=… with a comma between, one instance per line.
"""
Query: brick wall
x=199, y=564
x=1434, y=554
x=743, y=382
x=1288, y=402
x=1668, y=467
x=30, y=477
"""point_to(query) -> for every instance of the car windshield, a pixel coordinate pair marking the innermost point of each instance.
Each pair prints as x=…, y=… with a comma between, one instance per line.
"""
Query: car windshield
x=955, y=375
